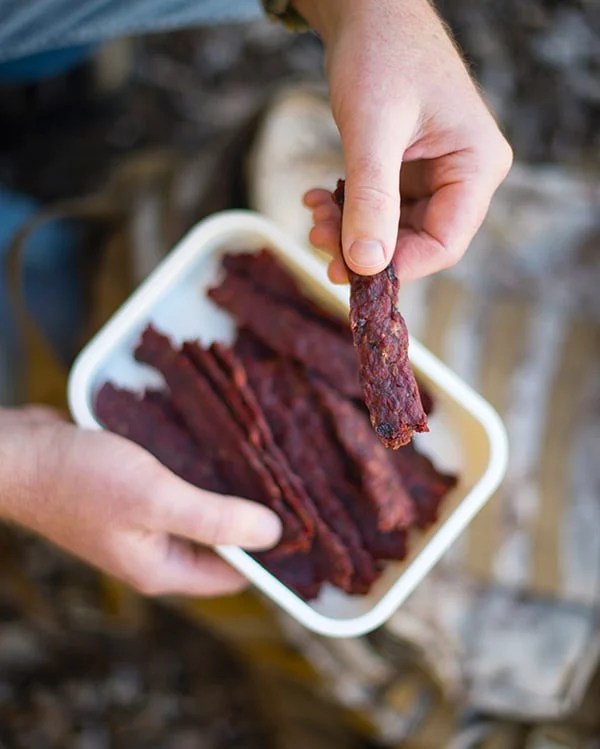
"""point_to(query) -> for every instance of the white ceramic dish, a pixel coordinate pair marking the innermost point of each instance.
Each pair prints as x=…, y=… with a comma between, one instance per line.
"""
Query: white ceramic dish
x=466, y=433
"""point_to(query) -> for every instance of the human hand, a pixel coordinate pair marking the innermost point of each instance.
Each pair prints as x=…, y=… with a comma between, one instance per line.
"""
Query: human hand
x=108, y=501
x=423, y=154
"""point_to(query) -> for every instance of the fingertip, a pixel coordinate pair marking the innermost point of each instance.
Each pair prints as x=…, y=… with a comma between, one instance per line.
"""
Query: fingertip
x=326, y=212
x=264, y=531
x=337, y=272
x=316, y=196
x=326, y=236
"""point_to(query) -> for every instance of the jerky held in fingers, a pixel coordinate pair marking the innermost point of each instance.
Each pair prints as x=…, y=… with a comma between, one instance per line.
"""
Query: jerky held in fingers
x=219, y=437
x=381, y=342
x=289, y=333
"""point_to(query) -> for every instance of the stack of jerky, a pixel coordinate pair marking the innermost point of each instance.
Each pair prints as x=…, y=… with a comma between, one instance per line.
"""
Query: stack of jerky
x=279, y=418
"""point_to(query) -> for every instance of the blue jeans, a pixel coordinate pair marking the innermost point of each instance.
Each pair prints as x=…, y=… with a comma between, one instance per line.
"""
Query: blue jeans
x=31, y=26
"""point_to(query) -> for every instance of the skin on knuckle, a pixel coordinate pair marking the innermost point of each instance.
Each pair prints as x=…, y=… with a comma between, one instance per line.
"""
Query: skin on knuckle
x=370, y=198
x=146, y=506
x=454, y=253
x=505, y=158
x=215, y=527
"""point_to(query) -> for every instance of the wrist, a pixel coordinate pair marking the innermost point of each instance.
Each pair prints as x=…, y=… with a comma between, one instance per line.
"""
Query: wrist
x=324, y=16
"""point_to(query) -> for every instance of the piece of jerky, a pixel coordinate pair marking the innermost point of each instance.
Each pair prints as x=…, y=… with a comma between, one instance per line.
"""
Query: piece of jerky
x=381, y=342
x=250, y=348
x=389, y=499
x=330, y=548
x=427, y=485
x=287, y=332
x=228, y=377
x=149, y=422
x=298, y=571
x=293, y=414
x=270, y=277
x=341, y=471
x=219, y=437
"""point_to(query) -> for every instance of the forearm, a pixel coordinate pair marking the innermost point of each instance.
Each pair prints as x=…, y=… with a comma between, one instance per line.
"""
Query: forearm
x=13, y=472
x=24, y=472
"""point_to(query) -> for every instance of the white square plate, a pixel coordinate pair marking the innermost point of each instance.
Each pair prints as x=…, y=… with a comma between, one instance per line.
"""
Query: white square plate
x=466, y=436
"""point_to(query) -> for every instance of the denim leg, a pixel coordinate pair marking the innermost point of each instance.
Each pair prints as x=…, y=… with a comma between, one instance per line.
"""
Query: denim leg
x=31, y=26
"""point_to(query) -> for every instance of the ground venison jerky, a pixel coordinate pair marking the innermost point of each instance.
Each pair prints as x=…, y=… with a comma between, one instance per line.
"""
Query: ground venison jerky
x=271, y=278
x=289, y=333
x=427, y=486
x=294, y=415
x=381, y=342
x=228, y=376
x=219, y=436
x=380, y=483
x=147, y=422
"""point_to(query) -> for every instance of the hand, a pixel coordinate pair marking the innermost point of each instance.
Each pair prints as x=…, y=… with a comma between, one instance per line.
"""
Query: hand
x=111, y=503
x=423, y=154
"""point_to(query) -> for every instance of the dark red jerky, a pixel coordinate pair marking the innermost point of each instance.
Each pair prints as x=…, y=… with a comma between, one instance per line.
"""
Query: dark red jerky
x=287, y=332
x=340, y=471
x=247, y=347
x=270, y=277
x=298, y=571
x=289, y=404
x=381, y=486
x=330, y=548
x=147, y=422
x=228, y=378
x=381, y=342
x=426, y=399
x=427, y=486
x=218, y=436
x=208, y=364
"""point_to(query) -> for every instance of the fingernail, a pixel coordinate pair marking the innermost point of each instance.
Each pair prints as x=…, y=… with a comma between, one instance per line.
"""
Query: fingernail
x=267, y=531
x=366, y=253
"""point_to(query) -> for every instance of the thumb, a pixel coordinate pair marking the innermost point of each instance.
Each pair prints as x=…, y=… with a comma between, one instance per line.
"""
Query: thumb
x=373, y=144
x=212, y=519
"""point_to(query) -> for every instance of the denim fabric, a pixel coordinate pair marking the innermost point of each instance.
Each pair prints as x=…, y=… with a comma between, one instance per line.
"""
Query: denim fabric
x=31, y=26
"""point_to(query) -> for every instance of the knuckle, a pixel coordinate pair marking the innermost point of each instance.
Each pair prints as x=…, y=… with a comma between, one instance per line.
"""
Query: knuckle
x=450, y=255
x=213, y=528
x=505, y=158
x=146, y=505
x=368, y=197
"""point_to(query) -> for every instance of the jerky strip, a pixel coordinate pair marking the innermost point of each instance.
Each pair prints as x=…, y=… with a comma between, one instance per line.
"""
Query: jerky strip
x=381, y=342
x=270, y=277
x=146, y=422
x=427, y=486
x=298, y=571
x=287, y=332
x=329, y=547
x=294, y=416
x=217, y=434
x=256, y=429
x=381, y=484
